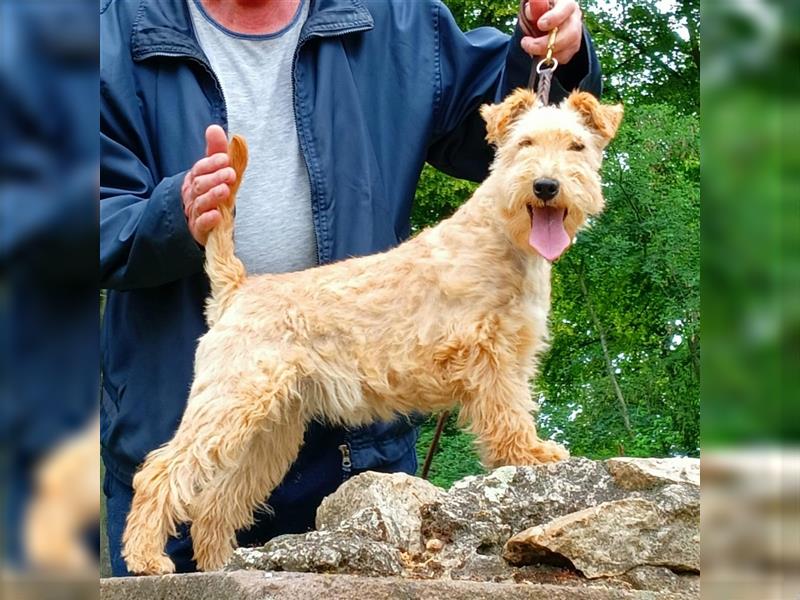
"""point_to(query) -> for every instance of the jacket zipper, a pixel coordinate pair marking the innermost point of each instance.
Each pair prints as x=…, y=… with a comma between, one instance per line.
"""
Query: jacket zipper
x=347, y=464
x=315, y=196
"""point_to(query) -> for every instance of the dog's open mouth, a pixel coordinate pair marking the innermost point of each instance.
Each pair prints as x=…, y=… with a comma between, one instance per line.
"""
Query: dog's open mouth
x=548, y=235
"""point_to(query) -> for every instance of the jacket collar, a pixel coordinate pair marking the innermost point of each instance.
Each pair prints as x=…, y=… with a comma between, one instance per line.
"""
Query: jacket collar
x=165, y=26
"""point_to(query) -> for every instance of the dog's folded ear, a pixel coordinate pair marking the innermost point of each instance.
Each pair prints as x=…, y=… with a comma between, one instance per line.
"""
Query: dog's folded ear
x=500, y=117
x=604, y=119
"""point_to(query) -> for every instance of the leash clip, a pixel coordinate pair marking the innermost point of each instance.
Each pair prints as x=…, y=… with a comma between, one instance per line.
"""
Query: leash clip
x=545, y=70
x=546, y=65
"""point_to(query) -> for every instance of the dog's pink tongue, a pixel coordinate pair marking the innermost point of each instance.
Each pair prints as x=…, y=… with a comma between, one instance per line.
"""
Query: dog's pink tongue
x=548, y=236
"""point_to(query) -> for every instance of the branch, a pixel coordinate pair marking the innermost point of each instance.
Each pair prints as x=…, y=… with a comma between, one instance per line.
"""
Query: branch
x=609, y=366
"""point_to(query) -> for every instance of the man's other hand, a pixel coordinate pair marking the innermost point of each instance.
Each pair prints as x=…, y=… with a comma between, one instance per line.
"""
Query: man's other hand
x=567, y=16
x=206, y=185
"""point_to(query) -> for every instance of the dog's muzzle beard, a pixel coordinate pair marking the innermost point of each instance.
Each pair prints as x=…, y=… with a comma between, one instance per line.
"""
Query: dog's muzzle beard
x=548, y=235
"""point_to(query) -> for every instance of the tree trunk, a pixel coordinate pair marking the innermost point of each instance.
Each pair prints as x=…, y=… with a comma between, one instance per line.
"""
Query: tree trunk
x=623, y=406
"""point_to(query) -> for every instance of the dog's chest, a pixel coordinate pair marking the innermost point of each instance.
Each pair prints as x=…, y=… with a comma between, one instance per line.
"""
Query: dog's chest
x=535, y=301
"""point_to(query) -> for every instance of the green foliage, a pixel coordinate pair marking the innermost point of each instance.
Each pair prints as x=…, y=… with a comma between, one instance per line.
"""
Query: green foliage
x=637, y=270
x=648, y=56
x=455, y=457
x=623, y=372
x=437, y=197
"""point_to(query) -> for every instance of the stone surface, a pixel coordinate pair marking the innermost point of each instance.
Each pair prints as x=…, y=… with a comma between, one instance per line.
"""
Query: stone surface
x=623, y=528
x=646, y=473
x=363, y=528
x=662, y=579
x=258, y=585
x=479, y=514
x=321, y=552
x=388, y=502
x=613, y=537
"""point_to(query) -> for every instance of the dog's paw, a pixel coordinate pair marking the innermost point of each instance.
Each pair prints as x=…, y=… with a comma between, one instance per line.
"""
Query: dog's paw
x=158, y=565
x=543, y=452
x=550, y=451
x=208, y=559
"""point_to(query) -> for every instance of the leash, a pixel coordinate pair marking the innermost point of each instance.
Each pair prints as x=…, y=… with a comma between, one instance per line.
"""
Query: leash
x=540, y=79
x=542, y=73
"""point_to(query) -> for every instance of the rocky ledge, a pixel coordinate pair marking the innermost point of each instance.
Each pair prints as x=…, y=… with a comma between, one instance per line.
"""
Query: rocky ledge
x=622, y=528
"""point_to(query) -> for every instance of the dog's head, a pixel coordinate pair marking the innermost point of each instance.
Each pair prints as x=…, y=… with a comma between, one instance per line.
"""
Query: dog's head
x=547, y=164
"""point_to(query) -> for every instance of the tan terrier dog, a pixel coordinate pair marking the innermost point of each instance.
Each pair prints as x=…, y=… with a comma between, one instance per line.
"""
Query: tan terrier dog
x=455, y=316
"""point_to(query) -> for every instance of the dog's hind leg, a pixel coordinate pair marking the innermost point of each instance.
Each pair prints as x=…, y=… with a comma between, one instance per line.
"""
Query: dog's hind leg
x=152, y=517
x=214, y=436
x=501, y=417
x=229, y=503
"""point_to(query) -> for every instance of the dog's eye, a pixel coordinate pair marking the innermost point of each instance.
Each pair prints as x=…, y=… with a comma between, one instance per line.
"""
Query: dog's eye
x=525, y=143
x=576, y=146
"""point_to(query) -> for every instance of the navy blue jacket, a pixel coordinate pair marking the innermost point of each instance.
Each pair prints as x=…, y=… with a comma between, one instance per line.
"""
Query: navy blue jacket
x=380, y=87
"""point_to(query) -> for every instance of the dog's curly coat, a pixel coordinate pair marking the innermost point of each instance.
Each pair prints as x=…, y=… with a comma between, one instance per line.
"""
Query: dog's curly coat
x=456, y=315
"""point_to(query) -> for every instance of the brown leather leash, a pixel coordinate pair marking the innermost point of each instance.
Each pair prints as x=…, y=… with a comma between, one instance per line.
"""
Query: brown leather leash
x=540, y=78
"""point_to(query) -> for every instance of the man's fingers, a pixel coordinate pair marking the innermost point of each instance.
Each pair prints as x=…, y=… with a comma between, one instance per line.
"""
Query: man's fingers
x=203, y=183
x=212, y=163
x=534, y=46
x=206, y=222
x=216, y=140
x=563, y=51
x=568, y=40
x=558, y=15
x=211, y=199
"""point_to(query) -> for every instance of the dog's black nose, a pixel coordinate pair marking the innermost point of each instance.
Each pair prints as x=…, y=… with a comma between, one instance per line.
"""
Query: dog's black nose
x=545, y=188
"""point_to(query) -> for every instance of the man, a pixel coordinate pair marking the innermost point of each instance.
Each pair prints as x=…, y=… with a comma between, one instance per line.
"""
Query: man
x=342, y=102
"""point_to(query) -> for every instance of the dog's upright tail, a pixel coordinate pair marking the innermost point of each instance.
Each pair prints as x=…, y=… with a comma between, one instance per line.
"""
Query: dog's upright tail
x=225, y=271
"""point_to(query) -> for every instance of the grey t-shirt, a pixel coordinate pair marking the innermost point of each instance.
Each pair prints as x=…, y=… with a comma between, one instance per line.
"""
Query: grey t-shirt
x=274, y=230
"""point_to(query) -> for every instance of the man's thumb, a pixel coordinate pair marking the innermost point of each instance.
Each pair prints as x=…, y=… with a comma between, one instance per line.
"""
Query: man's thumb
x=216, y=140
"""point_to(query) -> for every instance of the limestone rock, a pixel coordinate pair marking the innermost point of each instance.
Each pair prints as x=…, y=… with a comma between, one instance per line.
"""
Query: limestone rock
x=662, y=579
x=647, y=473
x=387, y=503
x=480, y=513
x=321, y=552
x=613, y=537
x=628, y=525
x=256, y=585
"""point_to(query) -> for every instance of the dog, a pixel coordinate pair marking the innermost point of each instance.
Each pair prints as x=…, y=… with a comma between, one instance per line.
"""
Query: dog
x=455, y=316
x=64, y=505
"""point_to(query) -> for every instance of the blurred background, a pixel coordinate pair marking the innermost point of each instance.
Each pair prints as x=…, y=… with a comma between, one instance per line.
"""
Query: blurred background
x=751, y=299
x=624, y=373
x=49, y=302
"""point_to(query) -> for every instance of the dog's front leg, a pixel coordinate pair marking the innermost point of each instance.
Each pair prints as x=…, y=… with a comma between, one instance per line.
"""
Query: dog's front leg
x=502, y=419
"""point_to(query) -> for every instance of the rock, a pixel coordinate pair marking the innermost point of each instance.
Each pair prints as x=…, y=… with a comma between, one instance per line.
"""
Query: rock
x=364, y=527
x=434, y=545
x=257, y=585
x=479, y=514
x=321, y=552
x=484, y=511
x=646, y=473
x=392, y=503
x=614, y=537
x=662, y=579
x=622, y=524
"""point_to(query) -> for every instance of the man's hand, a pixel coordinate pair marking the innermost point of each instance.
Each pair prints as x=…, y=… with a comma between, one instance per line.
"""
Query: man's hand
x=206, y=185
x=567, y=16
